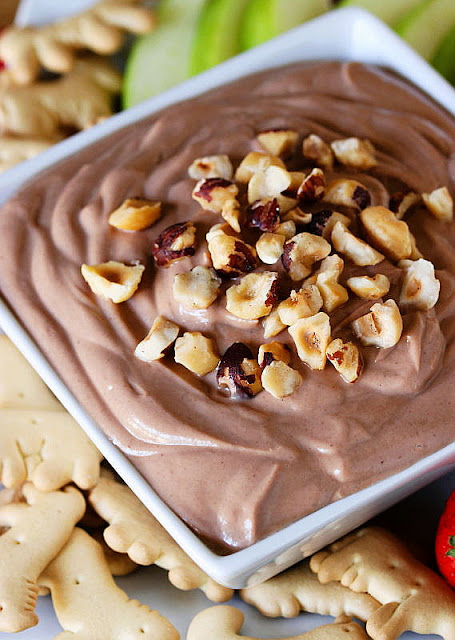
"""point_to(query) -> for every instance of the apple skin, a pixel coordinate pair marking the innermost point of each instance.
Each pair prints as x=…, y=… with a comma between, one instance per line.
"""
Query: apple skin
x=160, y=59
x=217, y=35
x=265, y=19
x=444, y=59
x=426, y=25
x=389, y=11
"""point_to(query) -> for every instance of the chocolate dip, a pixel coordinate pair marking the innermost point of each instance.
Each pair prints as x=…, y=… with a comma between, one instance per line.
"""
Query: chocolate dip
x=237, y=470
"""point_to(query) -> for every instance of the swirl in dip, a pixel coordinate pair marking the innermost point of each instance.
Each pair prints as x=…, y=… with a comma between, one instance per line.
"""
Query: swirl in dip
x=236, y=470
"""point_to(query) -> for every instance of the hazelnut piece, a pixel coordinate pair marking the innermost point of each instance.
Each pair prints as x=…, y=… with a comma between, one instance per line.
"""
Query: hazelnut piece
x=319, y=152
x=439, y=203
x=420, y=287
x=254, y=162
x=238, y=372
x=312, y=187
x=382, y=327
x=213, y=194
x=301, y=252
x=218, y=166
x=346, y=359
x=322, y=222
x=196, y=289
x=174, y=243
x=286, y=229
x=332, y=292
x=268, y=183
x=388, y=234
x=354, y=248
x=161, y=335
x=264, y=215
x=230, y=255
x=272, y=324
x=354, y=152
x=196, y=352
x=312, y=336
x=301, y=304
x=348, y=193
x=254, y=296
x=298, y=216
x=369, y=288
x=400, y=202
x=272, y=351
x=269, y=247
x=278, y=142
x=135, y=214
x=113, y=280
x=280, y=380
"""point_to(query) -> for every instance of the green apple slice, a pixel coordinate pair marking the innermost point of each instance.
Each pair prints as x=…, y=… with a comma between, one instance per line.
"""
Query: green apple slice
x=265, y=19
x=390, y=11
x=444, y=60
x=218, y=33
x=426, y=26
x=160, y=59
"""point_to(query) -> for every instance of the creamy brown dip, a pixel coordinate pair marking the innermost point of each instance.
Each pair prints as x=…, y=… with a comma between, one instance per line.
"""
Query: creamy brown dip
x=237, y=470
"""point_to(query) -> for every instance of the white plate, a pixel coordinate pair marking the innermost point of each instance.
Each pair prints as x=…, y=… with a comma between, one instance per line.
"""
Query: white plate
x=343, y=34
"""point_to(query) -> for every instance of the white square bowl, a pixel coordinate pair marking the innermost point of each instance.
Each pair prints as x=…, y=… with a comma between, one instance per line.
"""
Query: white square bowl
x=346, y=34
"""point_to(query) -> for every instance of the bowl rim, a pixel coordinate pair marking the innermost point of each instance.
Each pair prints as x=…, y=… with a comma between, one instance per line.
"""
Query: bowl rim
x=347, y=34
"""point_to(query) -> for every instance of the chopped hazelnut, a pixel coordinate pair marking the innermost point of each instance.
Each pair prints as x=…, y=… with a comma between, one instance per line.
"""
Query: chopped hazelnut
x=415, y=252
x=264, y=215
x=297, y=177
x=312, y=336
x=213, y=194
x=196, y=352
x=272, y=324
x=332, y=292
x=286, y=229
x=269, y=247
x=385, y=232
x=298, y=216
x=354, y=248
x=113, y=280
x=312, y=187
x=346, y=359
x=301, y=252
x=278, y=142
x=268, y=183
x=218, y=166
x=400, y=202
x=196, y=289
x=354, y=152
x=420, y=287
x=254, y=162
x=382, y=327
x=348, y=193
x=174, y=243
x=254, y=296
x=319, y=152
x=322, y=222
x=439, y=203
x=369, y=288
x=280, y=380
x=231, y=213
x=286, y=203
x=273, y=351
x=238, y=372
x=161, y=335
x=230, y=255
x=135, y=214
x=300, y=304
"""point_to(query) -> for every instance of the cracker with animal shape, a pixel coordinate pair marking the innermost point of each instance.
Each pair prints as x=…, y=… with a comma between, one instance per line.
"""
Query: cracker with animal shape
x=299, y=589
x=120, y=564
x=88, y=603
x=100, y=28
x=36, y=530
x=133, y=530
x=20, y=386
x=224, y=623
x=413, y=597
x=77, y=100
x=46, y=447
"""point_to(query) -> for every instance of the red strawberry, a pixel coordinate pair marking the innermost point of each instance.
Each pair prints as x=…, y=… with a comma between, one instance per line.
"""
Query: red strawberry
x=445, y=541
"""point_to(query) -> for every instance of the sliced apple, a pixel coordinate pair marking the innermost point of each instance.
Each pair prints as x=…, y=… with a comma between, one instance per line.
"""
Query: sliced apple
x=444, y=60
x=265, y=19
x=160, y=59
x=426, y=26
x=390, y=11
x=218, y=33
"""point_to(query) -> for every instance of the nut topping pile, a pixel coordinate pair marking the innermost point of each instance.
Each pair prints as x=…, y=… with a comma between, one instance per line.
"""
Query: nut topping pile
x=276, y=254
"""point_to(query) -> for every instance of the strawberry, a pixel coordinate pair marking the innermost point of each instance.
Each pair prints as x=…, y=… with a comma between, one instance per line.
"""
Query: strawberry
x=445, y=541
